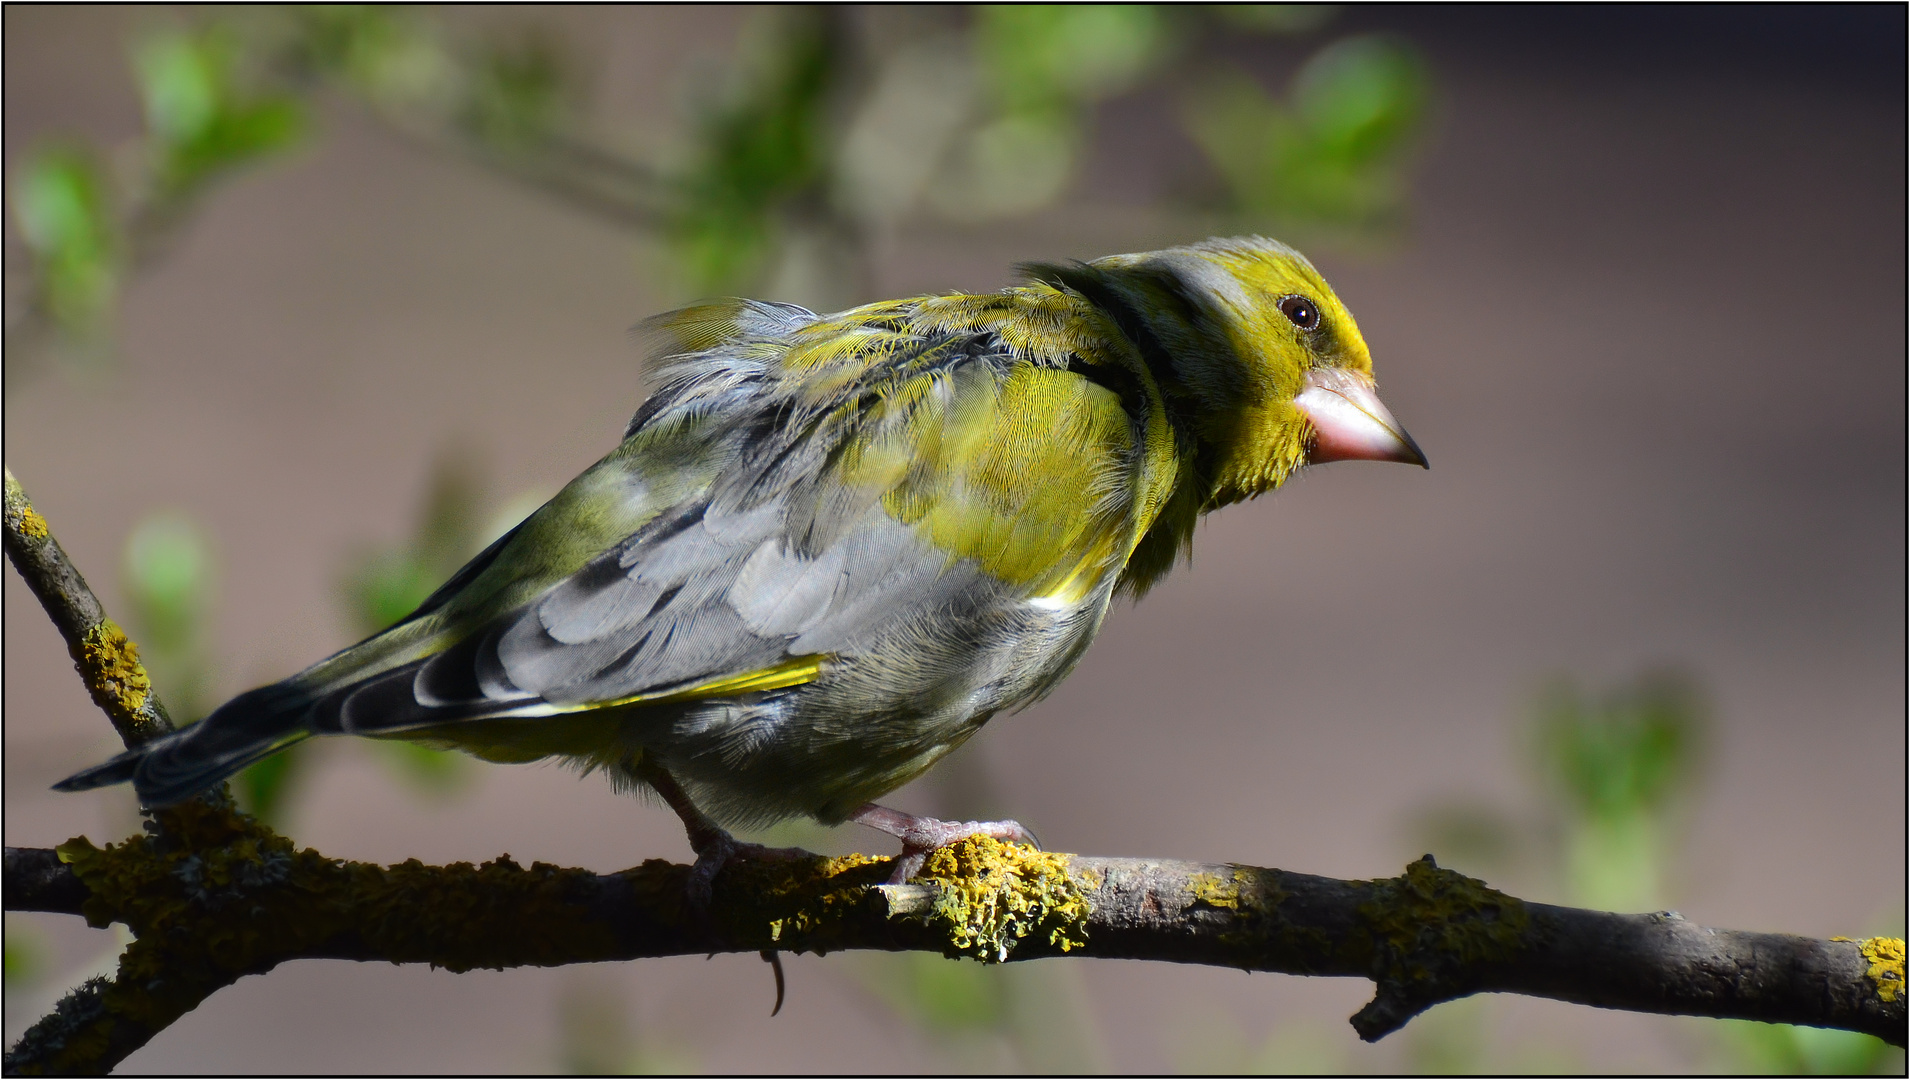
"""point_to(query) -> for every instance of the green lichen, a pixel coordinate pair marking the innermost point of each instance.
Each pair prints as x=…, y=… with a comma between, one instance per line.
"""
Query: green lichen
x=109, y=662
x=176, y=889
x=1425, y=928
x=992, y=896
x=211, y=896
x=77, y=1030
x=798, y=904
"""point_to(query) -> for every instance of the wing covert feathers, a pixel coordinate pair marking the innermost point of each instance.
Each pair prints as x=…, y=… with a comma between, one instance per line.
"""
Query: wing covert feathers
x=800, y=490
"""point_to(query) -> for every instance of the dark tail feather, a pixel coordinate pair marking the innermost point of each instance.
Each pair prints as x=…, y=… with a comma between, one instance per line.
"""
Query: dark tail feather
x=117, y=771
x=254, y=725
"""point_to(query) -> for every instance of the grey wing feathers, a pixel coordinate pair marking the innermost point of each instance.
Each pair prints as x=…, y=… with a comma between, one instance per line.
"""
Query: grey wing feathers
x=772, y=560
x=775, y=560
x=646, y=618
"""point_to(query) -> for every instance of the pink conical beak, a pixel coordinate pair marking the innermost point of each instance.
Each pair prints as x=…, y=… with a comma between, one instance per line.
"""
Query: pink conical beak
x=1350, y=423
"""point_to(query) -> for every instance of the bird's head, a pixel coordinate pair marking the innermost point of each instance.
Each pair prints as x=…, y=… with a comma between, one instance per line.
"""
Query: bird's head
x=1259, y=361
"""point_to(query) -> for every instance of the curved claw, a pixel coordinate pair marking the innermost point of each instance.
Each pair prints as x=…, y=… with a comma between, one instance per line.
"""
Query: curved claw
x=775, y=960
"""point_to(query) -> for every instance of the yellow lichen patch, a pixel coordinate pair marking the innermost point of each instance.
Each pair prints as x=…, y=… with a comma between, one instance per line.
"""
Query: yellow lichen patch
x=992, y=896
x=1210, y=890
x=1251, y=899
x=1429, y=921
x=1886, y=965
x=30, y=523
x=109, y=661
x=797, y=904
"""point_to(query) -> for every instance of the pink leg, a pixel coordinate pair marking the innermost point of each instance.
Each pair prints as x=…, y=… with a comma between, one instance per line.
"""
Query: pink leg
x=921, y=835
x=713, y=844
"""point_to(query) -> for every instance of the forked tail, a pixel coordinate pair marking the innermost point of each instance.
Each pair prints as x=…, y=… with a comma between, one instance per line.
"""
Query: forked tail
x=254, y=725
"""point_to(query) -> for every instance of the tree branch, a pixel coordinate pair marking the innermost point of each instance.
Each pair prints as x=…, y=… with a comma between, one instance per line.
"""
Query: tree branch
x=214, y=896
x=108, y=662
x=36, y=880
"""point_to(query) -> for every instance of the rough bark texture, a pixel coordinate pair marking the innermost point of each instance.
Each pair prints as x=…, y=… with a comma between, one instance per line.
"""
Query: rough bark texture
x=107, y=661
x=212, y=896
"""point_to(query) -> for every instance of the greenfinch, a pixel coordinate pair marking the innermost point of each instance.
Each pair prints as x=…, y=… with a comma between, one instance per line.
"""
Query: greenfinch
x=831, y=547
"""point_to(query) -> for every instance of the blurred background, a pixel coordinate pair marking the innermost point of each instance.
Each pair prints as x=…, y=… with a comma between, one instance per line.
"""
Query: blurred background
x=303, y=306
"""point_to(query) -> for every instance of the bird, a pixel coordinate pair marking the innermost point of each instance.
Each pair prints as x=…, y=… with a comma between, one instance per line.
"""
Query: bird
x=831, y=547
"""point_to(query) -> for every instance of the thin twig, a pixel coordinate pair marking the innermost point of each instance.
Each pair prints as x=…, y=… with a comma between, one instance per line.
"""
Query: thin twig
x=107, y=660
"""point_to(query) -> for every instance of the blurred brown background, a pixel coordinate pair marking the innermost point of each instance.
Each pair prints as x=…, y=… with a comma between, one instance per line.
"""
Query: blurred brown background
x=1647, y=318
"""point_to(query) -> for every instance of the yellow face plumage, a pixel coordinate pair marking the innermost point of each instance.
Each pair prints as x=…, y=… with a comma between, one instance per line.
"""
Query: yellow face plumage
x=1260, y=362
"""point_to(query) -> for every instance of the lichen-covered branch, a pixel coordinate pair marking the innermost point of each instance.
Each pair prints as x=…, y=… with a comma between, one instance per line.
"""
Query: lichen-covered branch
x=108, y=661
x=213, y=896
x=36, y=880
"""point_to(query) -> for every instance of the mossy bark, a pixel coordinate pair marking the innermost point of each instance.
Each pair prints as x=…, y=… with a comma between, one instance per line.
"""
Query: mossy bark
x=212, y=896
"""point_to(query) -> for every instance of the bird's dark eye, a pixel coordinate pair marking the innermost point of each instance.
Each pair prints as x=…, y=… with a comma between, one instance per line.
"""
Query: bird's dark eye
x=1304, y=313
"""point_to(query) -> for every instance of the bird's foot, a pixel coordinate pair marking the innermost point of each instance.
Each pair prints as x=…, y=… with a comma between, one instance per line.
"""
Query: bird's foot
x=715, y=850
x=921, y=835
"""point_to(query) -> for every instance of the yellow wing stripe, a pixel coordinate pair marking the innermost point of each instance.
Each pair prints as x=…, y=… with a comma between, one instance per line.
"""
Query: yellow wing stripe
x=794, y=671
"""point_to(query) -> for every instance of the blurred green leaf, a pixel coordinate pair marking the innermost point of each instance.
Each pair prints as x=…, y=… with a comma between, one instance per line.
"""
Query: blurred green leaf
x=1616, y=863
x=1275, y=18
x=379, y=51
x=1628, y=752
x=1787, y=1050
x=25, y=957
x=593, y=1029
x=757, y=152
x=200, y=119
x=1360, y=98
x=388, y=586
x=1053, y=57
x=516, y=95
x=434, y=772
x=179, y=75
x=1334, y=153
x=169, y=580
x=169, y=575
x=62, y=200
x=1009, y=165
x=1449, y=1039
x=1616, y=762
x=943, y=996
x=1041, y=66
